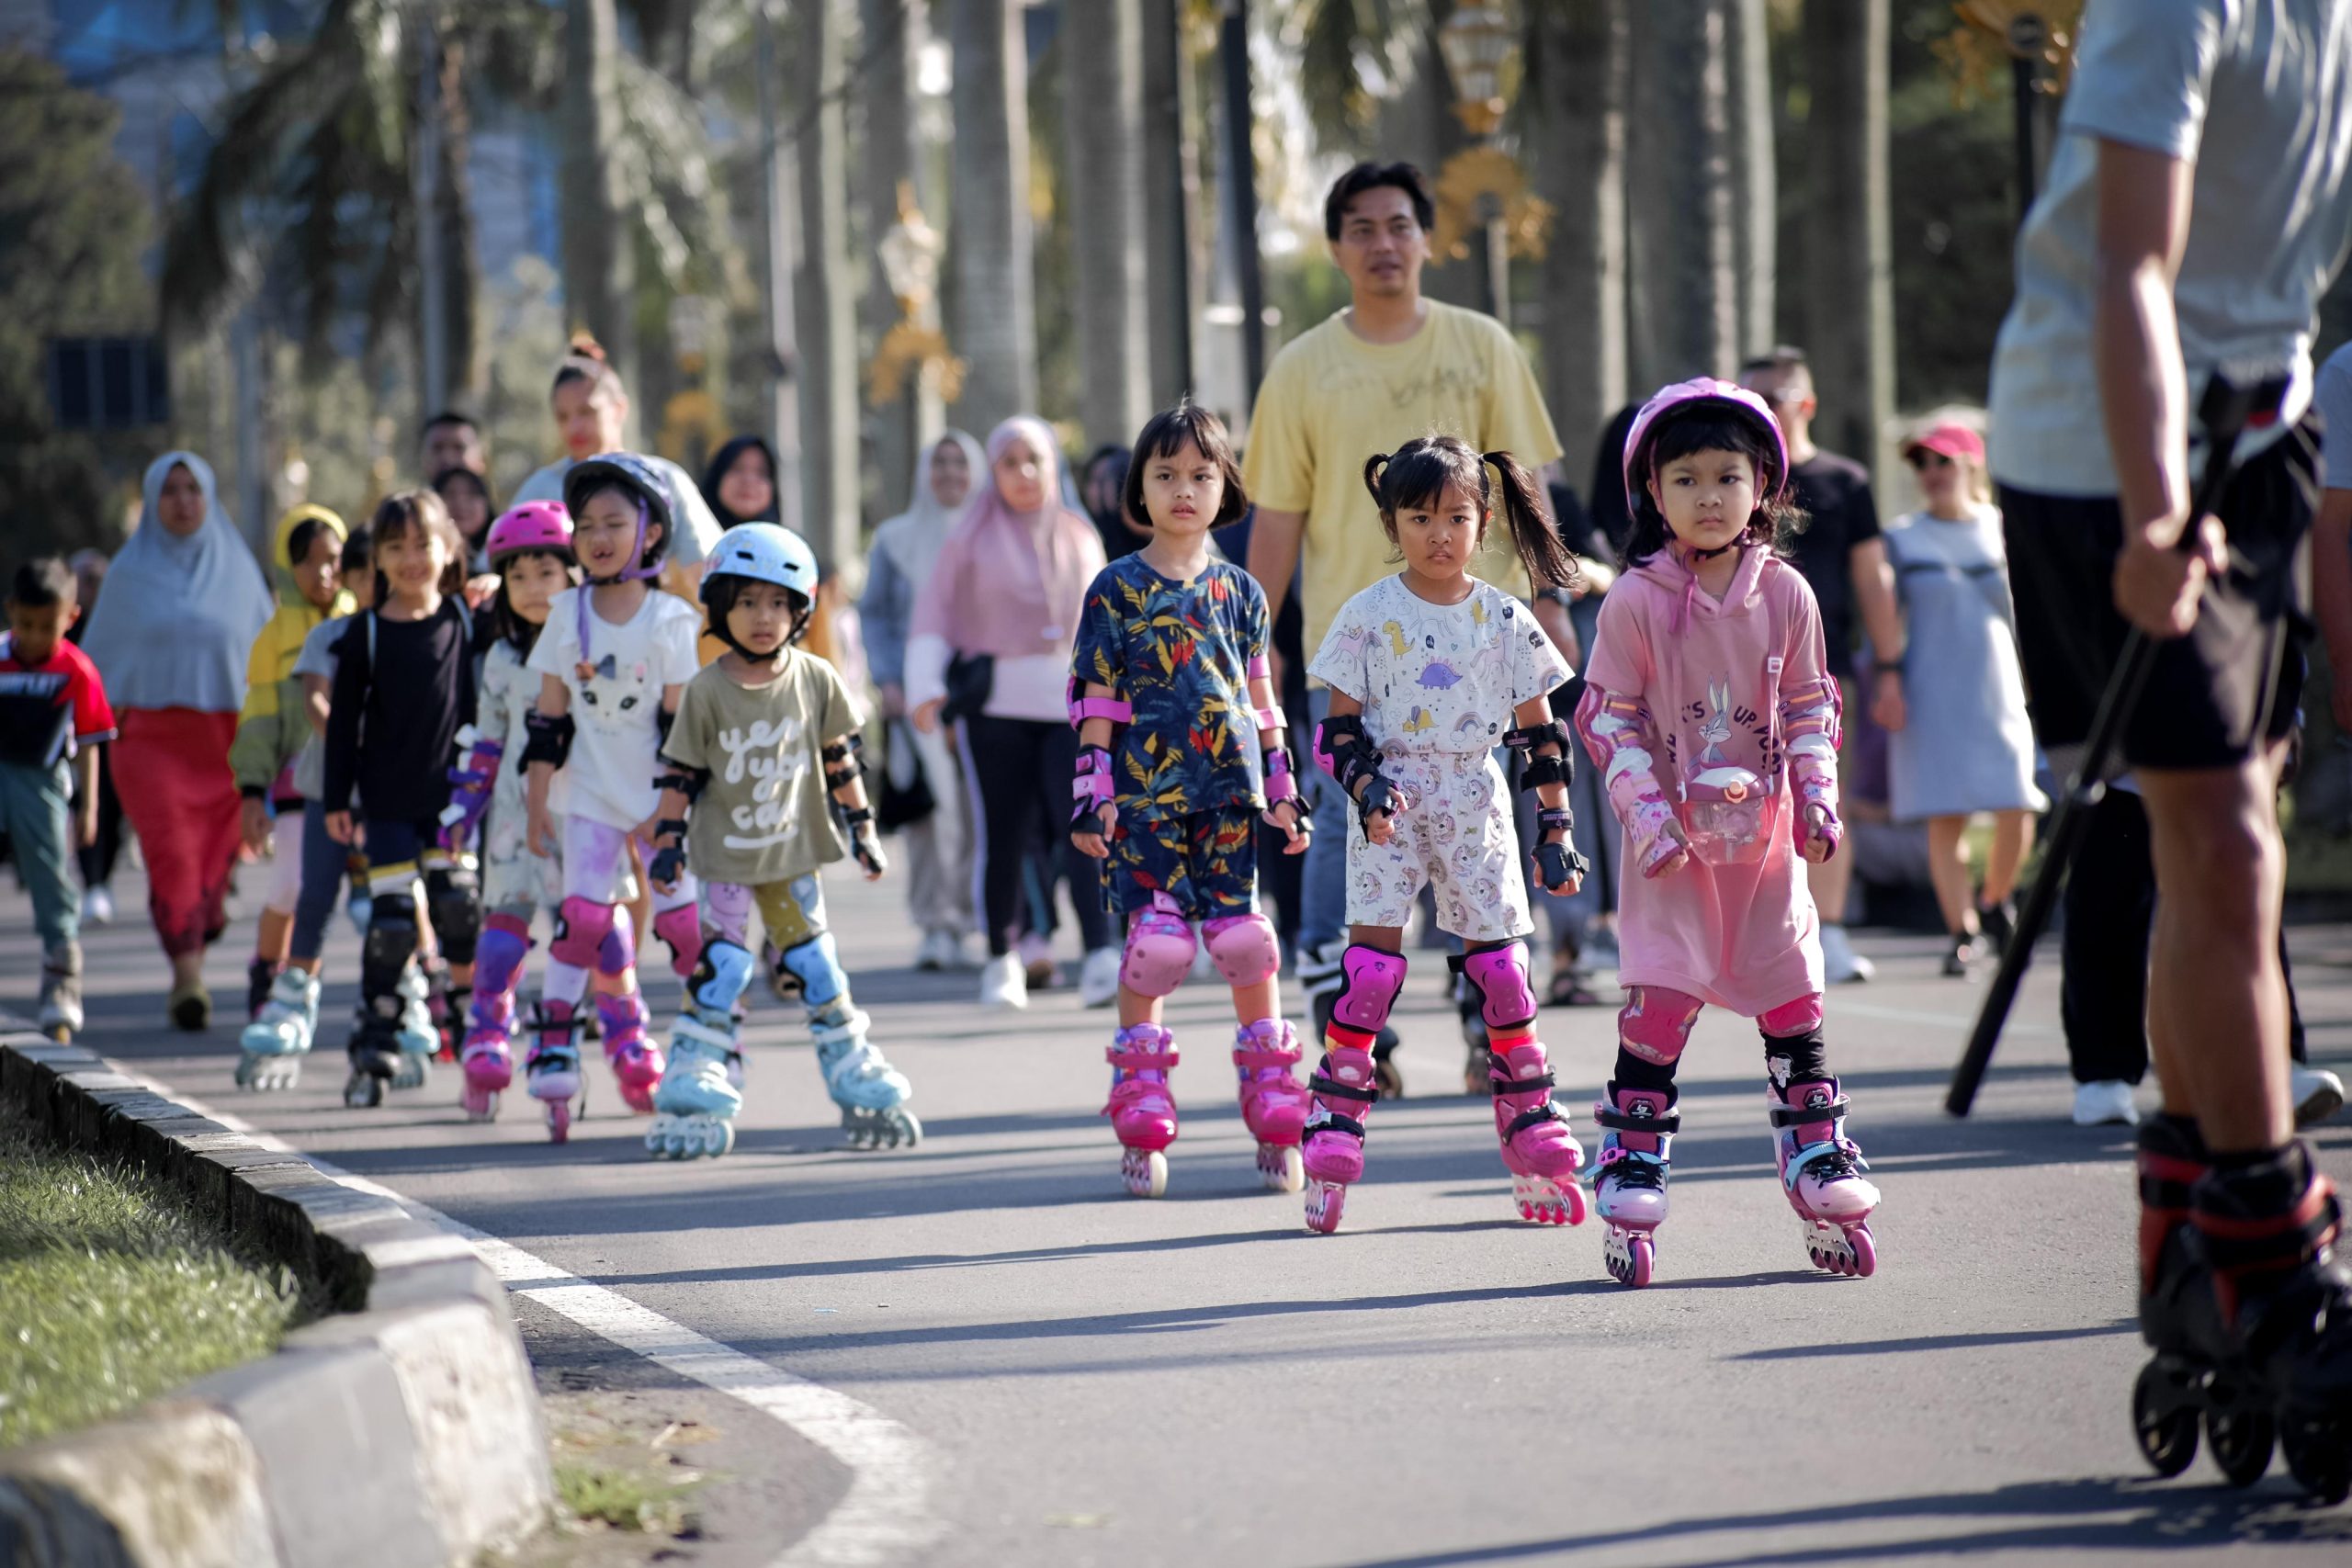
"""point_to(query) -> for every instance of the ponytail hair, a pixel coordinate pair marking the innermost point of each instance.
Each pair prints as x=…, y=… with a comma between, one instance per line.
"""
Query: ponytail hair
x=1417, y=473
x=585, y=360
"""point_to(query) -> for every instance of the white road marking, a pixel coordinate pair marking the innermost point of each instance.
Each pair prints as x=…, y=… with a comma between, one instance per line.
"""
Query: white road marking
x=885, y=1515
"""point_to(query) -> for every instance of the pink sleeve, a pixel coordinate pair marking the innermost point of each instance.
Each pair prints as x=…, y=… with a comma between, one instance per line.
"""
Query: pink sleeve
x=1811, y=706
x=1621, y=734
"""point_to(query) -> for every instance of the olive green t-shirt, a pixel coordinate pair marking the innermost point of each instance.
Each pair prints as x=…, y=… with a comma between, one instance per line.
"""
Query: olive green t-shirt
x=765, y=815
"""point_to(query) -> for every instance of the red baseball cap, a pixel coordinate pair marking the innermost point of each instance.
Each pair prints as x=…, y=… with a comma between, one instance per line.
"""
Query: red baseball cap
x=1950, y=439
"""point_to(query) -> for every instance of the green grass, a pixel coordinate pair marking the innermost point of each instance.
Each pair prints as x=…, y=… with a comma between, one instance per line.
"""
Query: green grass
x=110, y=1294
x=623, y=1499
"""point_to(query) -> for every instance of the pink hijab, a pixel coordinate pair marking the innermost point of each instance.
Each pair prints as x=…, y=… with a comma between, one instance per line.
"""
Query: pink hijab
x=1012, y=584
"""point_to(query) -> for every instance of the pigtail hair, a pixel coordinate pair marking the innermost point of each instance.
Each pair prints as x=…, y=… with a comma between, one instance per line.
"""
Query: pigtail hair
x=1372, y=471
x=1532, y=533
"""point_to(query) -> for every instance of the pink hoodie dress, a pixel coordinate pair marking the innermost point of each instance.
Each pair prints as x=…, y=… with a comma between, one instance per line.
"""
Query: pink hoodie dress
x=1719, y=715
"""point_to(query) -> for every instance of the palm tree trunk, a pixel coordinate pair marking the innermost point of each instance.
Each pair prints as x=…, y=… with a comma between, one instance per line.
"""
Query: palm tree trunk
x=599, y=246
x=1755, y=186
x=1575, y=97
x=1686, y=290
x=821, y=295
x=451, y=267
x=990, y=237
x=891, y=31
x=1102, y=93
x=1170, y=186
x=1849, y=290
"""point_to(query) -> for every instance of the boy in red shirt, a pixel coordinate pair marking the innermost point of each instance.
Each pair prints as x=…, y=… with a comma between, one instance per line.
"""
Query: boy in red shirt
x=53, y=711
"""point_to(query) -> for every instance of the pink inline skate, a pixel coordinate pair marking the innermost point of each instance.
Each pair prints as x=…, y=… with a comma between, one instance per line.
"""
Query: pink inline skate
x=1273, y=1105
x=1141, y=1109
x=1629, y=1191
x=1821, y=1172
x=1347, y=1083
x=636, y=1061
x=552, y=1071
x=1539, y=1150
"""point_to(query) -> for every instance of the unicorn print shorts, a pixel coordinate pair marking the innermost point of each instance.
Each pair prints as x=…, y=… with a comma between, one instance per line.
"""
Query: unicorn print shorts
x=1457, y=836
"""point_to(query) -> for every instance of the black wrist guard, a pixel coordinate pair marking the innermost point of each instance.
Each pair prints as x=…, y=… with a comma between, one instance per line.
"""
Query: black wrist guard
x=841, y=764
x=549, y=737
x=669, y=860
x=688, y=782
x=1536, y=770
x=1557, y=861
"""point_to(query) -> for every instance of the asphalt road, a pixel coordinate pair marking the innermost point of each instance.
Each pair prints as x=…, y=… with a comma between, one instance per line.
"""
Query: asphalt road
x=1094, y=1379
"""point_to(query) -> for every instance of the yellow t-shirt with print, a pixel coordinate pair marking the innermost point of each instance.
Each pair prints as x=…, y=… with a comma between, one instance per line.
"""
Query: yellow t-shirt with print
x=1331, y=399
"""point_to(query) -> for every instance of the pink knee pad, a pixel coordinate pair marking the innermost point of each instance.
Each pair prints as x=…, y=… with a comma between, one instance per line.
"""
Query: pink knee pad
x=589, y=936
x=1369, y=981
x=1506, y=1000
x=1159, y=949
x=1800, y=1017
x=1243, y=947
x=682, y=928
x=1656, y=1023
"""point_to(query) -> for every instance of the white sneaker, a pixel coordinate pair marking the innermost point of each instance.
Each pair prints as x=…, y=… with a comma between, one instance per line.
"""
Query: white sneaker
x=1098, y=980
x=1004, y=983
x=1840, y=964
x=2318, y=1094
x=936, y=951
x=2105, y=1102
x=97, y=908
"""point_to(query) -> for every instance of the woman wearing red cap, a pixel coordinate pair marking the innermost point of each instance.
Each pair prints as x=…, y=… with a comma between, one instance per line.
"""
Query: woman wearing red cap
x=1964, y=745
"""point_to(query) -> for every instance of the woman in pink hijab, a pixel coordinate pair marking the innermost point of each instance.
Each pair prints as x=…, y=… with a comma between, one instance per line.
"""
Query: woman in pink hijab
x=1009, y=585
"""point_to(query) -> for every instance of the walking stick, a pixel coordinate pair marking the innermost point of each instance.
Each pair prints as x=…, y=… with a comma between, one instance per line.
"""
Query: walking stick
x=2231, y=402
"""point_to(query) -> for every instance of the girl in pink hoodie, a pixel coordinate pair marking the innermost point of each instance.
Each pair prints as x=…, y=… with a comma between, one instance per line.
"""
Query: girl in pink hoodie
x=1708, y=707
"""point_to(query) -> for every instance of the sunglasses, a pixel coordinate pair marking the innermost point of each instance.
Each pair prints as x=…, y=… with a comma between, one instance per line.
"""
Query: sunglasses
x=1923, y=460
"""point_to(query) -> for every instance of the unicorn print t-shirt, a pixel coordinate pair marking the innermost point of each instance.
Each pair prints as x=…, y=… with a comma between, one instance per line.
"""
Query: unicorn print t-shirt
x=1437, y=678
x=766, y=815
x=616, y=687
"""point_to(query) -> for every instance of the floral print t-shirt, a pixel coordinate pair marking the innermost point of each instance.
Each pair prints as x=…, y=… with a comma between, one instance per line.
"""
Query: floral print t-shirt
x=1179, y=653
x=1437, y=678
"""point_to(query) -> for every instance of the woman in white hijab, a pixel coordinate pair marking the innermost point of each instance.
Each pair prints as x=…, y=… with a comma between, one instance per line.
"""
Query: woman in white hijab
x=939, y=847
x=170, y=634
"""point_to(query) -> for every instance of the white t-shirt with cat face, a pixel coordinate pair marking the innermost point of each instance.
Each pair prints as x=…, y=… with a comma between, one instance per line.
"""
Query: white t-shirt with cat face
x=616, y=701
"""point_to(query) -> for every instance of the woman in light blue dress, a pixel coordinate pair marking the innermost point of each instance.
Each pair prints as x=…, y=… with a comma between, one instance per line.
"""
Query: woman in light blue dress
x=1965, y=746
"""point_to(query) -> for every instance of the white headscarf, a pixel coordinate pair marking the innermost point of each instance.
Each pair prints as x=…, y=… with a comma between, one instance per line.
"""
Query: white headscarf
x=914, y=537
x=178, y=617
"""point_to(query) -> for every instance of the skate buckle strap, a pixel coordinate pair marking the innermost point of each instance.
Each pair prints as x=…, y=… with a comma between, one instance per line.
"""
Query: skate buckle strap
x=2165, y=1181
x=1634, y=1167
x=1548, y=1112
x=2233, y=1246
x=1617, y=1120
x=1814, y=1154
x=1331, y=1121
x=1321, y=1083
x=1499, y=1086
x=1257, y=1059
x=1139, y=1061
x=1804, y=1115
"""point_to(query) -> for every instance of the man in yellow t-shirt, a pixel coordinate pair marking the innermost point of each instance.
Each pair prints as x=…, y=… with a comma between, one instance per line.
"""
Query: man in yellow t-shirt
x=1391, y=366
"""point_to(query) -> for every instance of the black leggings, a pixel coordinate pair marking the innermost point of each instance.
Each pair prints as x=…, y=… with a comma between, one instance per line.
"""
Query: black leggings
x=1021, y=771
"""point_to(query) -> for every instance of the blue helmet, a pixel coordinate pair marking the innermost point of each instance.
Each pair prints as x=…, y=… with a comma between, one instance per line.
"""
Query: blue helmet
x=758, y=552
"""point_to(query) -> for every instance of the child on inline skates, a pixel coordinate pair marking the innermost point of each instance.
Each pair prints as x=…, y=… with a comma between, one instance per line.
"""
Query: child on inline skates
x=1170, y=694
x=1430, y=670
x=54, y=718
x=529, y=551
x=613, y=660
x=404, y=680
x=741, y=804
x=274, y=1044
x=1708, y=705
x=271, y=730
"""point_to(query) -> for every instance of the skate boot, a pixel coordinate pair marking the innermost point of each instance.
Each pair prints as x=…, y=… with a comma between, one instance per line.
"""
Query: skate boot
x=694, y=1104
x=486, y=1052
x=376, y=1057
x=1322, y=974
x=260, y=974
x=61, y=991
x=445, y=1004
x=420, y=1039
x=1141, y=1108
x=552, y=1070
x=1273, y=1105
x=872, y=1093
x=635, y=1060
x=1629, y=1192
x=274, y=1044
x=1539, y=1150
x=1331, y=1144
x=1821, y=1173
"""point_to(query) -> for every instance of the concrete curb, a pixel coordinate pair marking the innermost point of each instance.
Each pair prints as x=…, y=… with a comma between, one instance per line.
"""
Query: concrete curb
x=403, y=1431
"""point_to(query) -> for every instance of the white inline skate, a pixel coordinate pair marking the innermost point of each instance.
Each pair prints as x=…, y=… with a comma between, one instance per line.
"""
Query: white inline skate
x=696, y=1102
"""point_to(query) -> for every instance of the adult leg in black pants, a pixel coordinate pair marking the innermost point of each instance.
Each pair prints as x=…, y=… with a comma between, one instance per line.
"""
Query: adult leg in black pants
x=1020, y=769
x=1098, y=983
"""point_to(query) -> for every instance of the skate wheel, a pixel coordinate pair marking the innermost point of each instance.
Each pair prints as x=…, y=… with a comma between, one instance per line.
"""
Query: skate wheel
x=718, y=1140
x=2239, y=1442
x=1543, y=1200
x=1145, y=1171
x=559, y=1121
x=1833, y=1251
x=1865, y=1251
x=1280, y=1168
x=1325, y=1201
x=2164, y=1422
x=1631, y=1257
x=2319, y=1456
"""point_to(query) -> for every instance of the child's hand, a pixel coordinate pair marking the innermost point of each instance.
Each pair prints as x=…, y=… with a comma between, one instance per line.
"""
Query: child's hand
x=544, y=840
x=1380, y=828
x=1888, y=710
x=867, y=849
x=1093, y=846
x=927, y=716
x=1821, y=833
x=1669, y=852
x=253, y=822
x=480, y=590
x=1292, y=819
x=668, y=865
x=339, y=826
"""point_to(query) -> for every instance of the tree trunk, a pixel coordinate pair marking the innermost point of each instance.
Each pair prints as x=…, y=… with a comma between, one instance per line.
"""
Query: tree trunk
x=1755, y=186
x=1685, y=284
x=1575, y=98
x=892, y=35
x=1171, y=187
x=821, y=292
x=1102, y=100
x=1419, y=121
x=1849, y=252
x=599, y=243
x=995, y=303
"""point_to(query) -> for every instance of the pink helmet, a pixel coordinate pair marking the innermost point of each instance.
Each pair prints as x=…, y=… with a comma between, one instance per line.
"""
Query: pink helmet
x=534, y=526
x=1684, y=396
